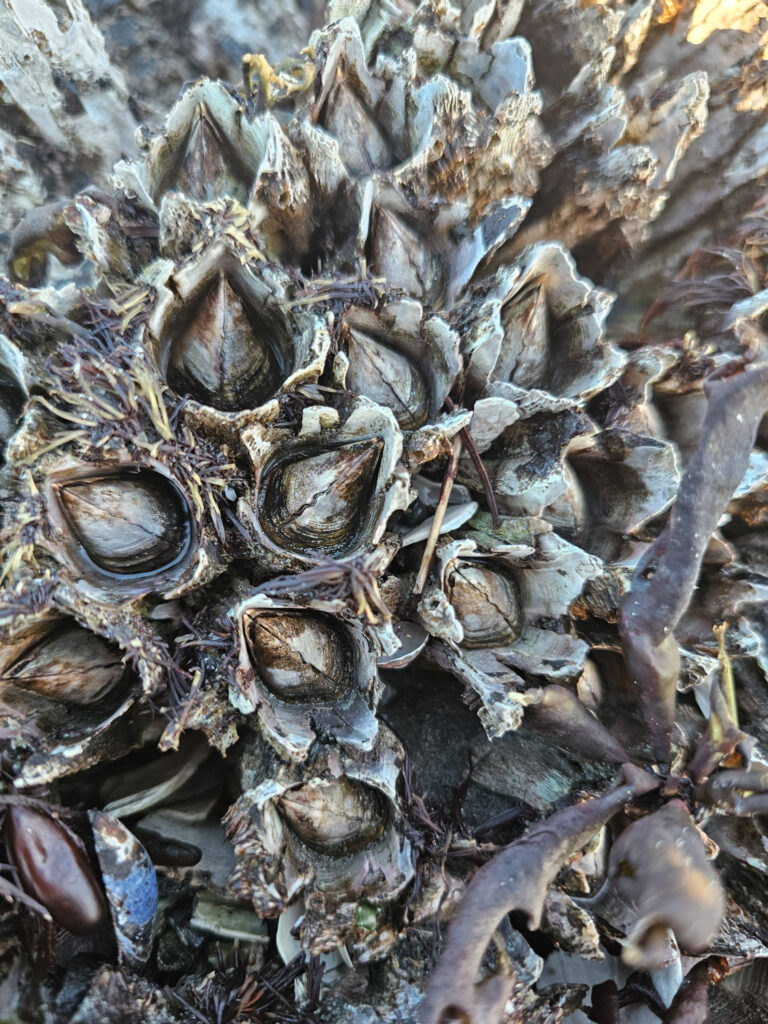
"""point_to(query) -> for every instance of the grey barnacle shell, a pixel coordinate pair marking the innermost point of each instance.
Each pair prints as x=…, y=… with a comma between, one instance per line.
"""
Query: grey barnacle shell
x=222, y=332
x=330, y=491
x=212, y=148
x=399, y=357
x=494, y=614
x=327, y=829
x=308, y=675
x=539, y=324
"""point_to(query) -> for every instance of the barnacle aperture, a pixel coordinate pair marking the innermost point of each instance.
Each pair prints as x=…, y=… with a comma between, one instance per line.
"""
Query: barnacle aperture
x=224, y=355
x=316, y=499
x=129, y=523
x=299, y=656
x=70, y=664
x=388, y=377
x=54, y=869
x=487, y=604
x=340, y=818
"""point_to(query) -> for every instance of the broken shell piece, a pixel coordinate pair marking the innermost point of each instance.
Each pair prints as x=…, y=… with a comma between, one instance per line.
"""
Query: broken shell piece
x=308, y=674
x=131, y=886
x=227, y=919
x=413, y=639
x=341, y=817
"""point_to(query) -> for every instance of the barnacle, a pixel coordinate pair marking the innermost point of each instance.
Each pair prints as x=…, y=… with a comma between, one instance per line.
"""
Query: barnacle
x=320, y=405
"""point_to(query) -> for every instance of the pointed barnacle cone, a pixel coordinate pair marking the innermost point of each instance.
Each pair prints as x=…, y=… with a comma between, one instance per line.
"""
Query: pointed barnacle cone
x=486, y=603
x=387, y=377
x=316, y=500
x=209, y=165
x=298, y=656
x=54, y=869
x=340, y=818
x=220, y=357
x=70, y=664
x=129, y=523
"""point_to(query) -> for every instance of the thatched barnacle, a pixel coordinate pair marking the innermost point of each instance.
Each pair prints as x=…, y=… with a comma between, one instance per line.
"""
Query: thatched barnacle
x=329, y=492
x=54, y=869
x=486, y=603
x=122, y=526
x=495, y=615
x=221, y=332
x=341, y=817
x=399, y=357
x=330, y=827
x=308, y=674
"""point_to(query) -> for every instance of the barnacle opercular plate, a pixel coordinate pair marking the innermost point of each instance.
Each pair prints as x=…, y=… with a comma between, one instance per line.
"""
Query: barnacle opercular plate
x=123, y=529
x=329, y=492
x=223, y=334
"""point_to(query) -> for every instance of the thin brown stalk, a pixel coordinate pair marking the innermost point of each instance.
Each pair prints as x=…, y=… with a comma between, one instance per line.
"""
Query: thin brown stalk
x=479, y=465
x=437, y=522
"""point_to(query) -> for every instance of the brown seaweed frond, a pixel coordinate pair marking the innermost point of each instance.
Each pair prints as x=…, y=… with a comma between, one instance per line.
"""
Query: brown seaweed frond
x=665, y=577
x=515, y=879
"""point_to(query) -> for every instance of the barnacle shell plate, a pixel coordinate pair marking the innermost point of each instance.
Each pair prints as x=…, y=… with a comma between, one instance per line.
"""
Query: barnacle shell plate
x=123, y=531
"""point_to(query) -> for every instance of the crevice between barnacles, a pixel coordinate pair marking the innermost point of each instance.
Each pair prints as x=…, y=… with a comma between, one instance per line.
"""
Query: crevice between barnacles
x=665, y=577
x=516, y=879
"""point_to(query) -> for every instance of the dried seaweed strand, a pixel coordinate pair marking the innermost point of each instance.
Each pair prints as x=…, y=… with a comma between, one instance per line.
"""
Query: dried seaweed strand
x=690, y=1005
x=437, y=521
x=480, y=469
x=666, y=576
x=515, y=879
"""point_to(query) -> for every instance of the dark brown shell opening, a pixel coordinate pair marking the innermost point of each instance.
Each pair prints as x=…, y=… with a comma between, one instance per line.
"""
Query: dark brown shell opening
x=300, y=657
x=318, y=499
x=126, y=524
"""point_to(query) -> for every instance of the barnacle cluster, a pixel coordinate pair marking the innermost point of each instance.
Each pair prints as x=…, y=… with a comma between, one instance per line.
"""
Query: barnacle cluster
x=357, y=571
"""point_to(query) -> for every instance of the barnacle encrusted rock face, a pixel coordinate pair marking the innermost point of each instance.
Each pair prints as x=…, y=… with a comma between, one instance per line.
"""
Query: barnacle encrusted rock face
x=331, y=364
